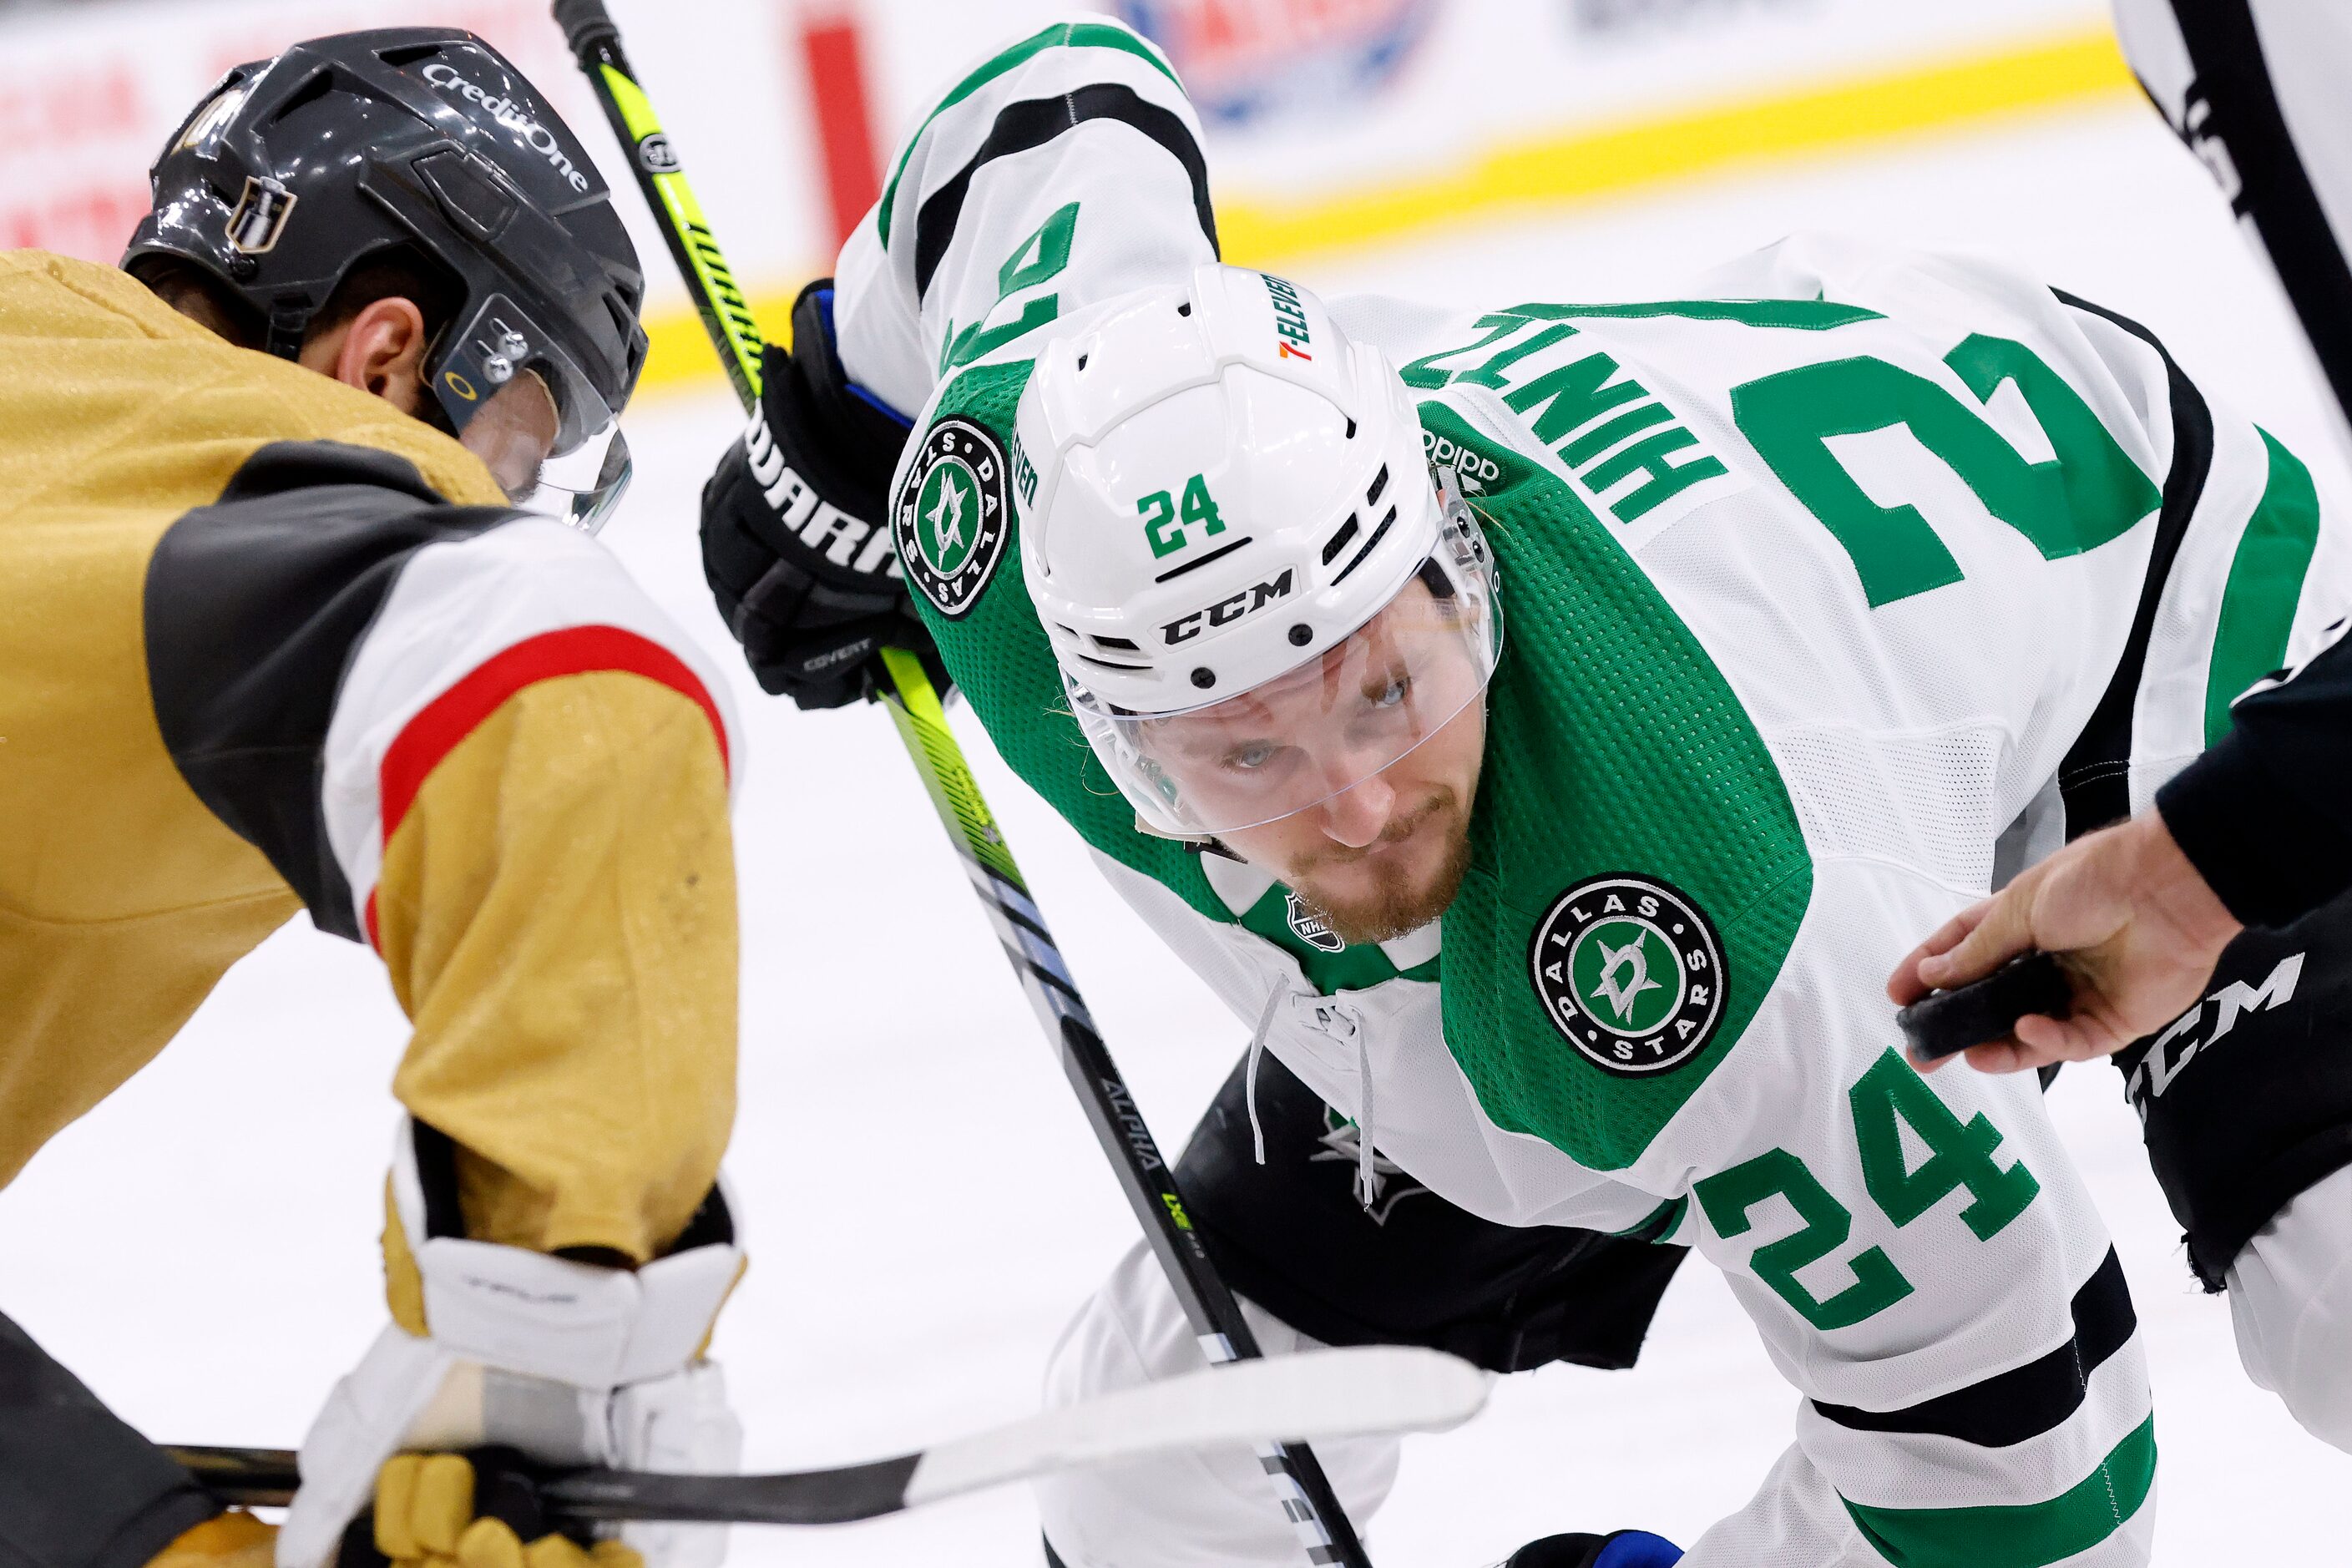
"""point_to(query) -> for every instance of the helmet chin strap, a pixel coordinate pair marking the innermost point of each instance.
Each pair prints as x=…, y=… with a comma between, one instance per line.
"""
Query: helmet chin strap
x=1205, y=842
x=289, y=323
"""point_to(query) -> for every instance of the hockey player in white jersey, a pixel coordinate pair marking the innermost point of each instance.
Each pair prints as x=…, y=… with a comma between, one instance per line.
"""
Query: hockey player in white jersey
x=2245, y=1096
x=1544, y=726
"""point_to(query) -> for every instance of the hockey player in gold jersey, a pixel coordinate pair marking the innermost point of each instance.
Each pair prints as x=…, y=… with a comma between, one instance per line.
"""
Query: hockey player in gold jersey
x=296, y=612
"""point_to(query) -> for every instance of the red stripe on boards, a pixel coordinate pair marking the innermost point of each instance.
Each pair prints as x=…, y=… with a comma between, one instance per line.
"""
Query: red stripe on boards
x=830, y=52
x=449, y=718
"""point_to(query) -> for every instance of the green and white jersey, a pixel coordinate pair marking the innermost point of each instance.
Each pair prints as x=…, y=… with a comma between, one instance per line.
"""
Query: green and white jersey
x=1833, y=593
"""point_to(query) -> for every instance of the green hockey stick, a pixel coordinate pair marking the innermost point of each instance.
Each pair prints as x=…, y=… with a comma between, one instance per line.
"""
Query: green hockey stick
x=1302, y=1491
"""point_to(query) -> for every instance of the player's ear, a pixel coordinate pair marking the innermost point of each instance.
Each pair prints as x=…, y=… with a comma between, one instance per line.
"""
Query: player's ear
x=381, y=351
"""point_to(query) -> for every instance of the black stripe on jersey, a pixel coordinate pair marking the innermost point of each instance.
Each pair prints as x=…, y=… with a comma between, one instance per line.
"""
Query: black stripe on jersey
x=1658, y=1223
x=2026, y=1401
x=436, y=1181
x=2094, y=779
x=2242, y=112
x=254, y=606
x=1032, y=124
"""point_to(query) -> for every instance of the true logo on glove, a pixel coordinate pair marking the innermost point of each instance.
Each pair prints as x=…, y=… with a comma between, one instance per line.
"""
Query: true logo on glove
x=950, y=518
x=1630, y=973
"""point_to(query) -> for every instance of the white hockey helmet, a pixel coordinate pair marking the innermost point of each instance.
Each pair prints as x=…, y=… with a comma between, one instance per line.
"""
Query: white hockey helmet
x=1257, y=594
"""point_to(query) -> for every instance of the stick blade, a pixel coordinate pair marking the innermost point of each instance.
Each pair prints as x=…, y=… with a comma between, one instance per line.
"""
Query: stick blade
x=804, y=1497
x=1351, y=1392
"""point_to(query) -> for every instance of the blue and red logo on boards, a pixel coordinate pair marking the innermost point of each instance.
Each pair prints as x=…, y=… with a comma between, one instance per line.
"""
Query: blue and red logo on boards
x=1247, y=60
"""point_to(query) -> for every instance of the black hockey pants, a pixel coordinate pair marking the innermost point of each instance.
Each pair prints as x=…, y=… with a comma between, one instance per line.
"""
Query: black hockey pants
x=79, y=1488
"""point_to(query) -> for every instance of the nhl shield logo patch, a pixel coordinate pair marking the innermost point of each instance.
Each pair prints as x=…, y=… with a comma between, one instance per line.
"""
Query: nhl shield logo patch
x=1311, y=928
x=1630, y=973
x=950, y=518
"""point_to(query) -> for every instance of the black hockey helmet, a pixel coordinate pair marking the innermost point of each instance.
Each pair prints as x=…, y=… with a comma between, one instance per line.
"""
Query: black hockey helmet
x=294, y=171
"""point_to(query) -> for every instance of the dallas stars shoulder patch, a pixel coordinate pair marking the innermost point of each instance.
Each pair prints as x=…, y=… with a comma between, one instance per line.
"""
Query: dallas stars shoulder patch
x=1630, y=972
x=950, y=517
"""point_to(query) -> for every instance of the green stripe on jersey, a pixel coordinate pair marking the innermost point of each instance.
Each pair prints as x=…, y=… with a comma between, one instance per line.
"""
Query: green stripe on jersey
x=2022, y=1537
x=1615, y=749
x=1798, y=315
x=2265, y=581
x=1061, y=35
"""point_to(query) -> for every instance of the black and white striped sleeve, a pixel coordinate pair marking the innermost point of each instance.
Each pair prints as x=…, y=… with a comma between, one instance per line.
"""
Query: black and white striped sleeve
x=329, y=629
x=2256, y=89
x=2261, y=814
x=1064, y=169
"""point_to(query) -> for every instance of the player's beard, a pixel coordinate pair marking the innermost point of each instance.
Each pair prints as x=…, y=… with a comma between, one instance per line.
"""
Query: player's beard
x=1403, y=897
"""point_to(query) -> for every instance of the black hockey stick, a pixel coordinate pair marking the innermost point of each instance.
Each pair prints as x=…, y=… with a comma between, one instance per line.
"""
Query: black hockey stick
x=1304, y=1492
x=1335, y=1393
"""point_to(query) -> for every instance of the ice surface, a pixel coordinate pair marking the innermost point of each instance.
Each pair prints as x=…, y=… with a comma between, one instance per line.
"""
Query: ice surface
x=925, y=1205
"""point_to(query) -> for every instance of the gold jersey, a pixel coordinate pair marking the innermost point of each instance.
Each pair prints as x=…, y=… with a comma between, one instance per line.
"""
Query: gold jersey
x=265, y=642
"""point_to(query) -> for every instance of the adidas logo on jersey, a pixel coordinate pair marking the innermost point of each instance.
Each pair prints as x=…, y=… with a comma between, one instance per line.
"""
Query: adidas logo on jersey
x=1475, y=469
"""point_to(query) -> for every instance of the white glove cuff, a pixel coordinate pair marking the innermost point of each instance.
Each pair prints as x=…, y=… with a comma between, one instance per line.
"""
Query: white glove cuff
x=547, y=1317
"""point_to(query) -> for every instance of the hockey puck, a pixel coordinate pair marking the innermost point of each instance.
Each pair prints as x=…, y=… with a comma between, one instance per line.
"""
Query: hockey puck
x=1949, y=1022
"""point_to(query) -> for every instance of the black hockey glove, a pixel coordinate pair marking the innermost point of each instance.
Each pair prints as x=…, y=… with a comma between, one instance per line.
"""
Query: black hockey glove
x=796, y=532
x=1619, y=1549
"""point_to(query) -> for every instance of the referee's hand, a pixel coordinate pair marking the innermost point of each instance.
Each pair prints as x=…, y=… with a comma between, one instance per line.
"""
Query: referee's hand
x=2133, y=924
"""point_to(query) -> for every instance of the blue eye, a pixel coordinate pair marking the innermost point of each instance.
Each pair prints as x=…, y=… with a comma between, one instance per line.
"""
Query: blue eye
x=1253, y=756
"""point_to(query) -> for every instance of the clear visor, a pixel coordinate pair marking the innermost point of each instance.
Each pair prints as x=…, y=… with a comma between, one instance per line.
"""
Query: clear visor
x=516, y=402
x=1321, y=729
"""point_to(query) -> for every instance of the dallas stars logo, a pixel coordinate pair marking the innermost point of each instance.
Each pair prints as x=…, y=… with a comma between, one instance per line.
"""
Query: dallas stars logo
x=1623, y=990
x=1343, y=1142
x=945, y=544
x=949, y=519
x=1630, y=972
